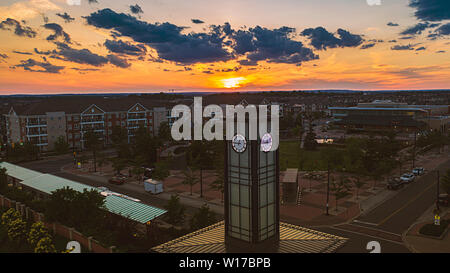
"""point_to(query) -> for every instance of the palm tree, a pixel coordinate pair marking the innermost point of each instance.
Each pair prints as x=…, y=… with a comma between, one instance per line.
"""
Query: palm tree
x=189, y=178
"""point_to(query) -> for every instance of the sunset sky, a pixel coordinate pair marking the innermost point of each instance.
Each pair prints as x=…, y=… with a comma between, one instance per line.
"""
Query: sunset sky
x=50, y=46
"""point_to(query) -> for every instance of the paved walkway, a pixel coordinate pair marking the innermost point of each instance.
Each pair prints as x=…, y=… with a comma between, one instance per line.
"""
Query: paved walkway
x=422, y=244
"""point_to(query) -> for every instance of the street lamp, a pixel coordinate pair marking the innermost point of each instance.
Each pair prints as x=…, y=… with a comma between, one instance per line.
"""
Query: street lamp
x=328, y=185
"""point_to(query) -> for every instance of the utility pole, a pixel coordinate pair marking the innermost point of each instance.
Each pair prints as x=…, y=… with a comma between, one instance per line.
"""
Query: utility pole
x=437, y=192
x=328, y=186
x=414, y=150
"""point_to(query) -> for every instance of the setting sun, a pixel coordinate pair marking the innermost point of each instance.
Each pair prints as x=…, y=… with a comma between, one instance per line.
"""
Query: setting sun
x=232, y=82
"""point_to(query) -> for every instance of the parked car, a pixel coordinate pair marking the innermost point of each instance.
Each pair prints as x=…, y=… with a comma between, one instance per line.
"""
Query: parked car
x=395, y=184
x=407, y=177
x=444, y=199
x=118, y=180
x=418, y=171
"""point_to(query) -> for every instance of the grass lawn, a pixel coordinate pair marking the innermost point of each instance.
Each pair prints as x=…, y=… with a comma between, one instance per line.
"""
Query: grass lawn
x=290, y=154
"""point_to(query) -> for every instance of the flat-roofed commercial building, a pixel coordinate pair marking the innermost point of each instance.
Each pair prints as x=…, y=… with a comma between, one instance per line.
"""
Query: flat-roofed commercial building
x=381, y=115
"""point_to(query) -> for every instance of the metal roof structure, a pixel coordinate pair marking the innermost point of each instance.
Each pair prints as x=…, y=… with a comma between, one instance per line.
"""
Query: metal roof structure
x=47, y=183
x=293, y=239
x=290, y=176
x=19, y=172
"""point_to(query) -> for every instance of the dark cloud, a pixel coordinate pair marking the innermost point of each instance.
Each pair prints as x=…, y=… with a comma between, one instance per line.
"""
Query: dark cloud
x=322, y=39
x=67, y=18
x=136, y=9
x=92, y=1
x=82, y=56
x=366, y=46
x=117, y=61
x=406, y=38
x=418, y=28
x=197, y=21
x=125, y=47
x=46, y=67
x=22, y=53
x=165, y=38
x=441, y=51
x=19, y=30
x=392, y=41
x=273, y=46
x=392, y=24
x=3, y=56
x=403, y=47
x=444, y=29
x=58, y=32
x=421, y=48
x=431, y=10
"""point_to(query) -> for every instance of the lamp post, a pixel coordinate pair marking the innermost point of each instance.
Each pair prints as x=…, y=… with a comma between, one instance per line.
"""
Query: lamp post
x=437, y=191
x=328, y=185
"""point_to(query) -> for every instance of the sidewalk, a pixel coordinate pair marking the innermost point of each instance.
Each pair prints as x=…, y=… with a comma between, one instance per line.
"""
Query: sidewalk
x=422, y=244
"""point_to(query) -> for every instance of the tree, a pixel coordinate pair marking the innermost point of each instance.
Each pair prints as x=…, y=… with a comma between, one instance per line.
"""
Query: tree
x=219, y=183
x=119, y=135
x=45, y=245
x=61, y=145
x=17, y=231
x=445, y=182
x=175, y=211
x=340, y=189
x=93, y=143
x=200, y=155
x=37, y=232
x=82, y=210
x=9, y=216
x=161, y=171
x=358, y=183
x=164, y=132
x=189, y=178
x=3, y=180
x=118, y=164
x=202, y=218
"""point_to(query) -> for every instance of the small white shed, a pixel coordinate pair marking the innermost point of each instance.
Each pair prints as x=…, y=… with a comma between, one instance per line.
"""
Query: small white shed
x=153, y=186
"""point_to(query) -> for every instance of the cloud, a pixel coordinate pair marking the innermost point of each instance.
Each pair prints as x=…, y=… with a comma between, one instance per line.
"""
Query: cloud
x=165, y=38
x=67, y=18
x=46, y=67
x=92, y=1
x=19, y=30
x=117, y=61
x=273, y=46
x=441, y=51
x=421, y=48
x=136, y=9
x=82, y=56
x=22, y=53
x=125, y=47
x=3, y=56
x=403, y=47
x=444, y=29
x=392, y=24
x=431, y=10
x=197, y=21
x=322, y=39
x=27, y=9
x=418, y=28
x=366, y=46
x=57, y=33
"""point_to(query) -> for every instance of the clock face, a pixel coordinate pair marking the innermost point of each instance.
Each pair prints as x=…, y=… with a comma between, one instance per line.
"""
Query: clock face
x=266, y=142
x=239, y=143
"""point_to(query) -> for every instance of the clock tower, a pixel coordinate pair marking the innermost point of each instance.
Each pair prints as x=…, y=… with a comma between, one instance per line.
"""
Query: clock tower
x=251, y=194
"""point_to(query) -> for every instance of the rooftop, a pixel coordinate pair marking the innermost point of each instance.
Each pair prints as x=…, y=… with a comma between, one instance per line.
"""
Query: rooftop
x=48, y=183
x=293, y=239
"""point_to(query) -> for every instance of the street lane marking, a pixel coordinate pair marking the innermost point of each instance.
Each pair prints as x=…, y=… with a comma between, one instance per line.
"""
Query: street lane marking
x=404, y=206
x=368, y=235
x=366, y=223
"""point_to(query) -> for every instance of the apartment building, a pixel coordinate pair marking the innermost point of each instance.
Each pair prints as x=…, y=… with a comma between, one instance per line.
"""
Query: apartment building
x=44, y=122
